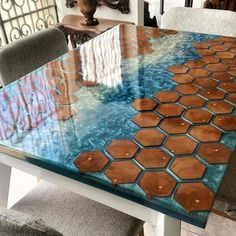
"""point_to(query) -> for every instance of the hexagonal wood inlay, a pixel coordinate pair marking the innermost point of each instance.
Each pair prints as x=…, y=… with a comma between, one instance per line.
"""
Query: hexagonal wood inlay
x=210, y=59
x=195, y=197
x=219, y=48
x=232, y=98
x=205, y=133
x=147, y=119
x=122, y=172
x=175, y=125
x=93, y=161
x=178, y=69
x=182, y=78
x=226, y=122
x=170, y=109
x=229, y=62
x=225, y=55
x=188, y=168
x=192, y=101
x=212, y=93
x=157, y=184
x=153, y=158
x=199, y=72
x=205, y=82
x=167, y=96
x=122, y=149
x=220, y=107
x=187, y=89
x=215, y=41
x=198, y=116
x=201, y=45
x=232, y=70
x=180, y=144
x=228, y=86
x=195, y=64
x=217, y=67
x=205, y=52
x=144, y=104
x=149, y=137
x=214, y=153
x=222, y=76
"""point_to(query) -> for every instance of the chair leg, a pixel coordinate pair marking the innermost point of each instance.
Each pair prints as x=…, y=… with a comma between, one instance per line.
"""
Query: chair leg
x=141, y=233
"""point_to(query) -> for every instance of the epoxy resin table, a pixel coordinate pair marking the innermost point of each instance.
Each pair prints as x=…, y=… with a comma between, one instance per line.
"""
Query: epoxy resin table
x=145, y=114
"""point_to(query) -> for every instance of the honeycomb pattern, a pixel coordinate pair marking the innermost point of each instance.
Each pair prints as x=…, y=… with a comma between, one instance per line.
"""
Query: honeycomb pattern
x=153, y=158
x=91, y=161
x=214, y=153
x=122, y=172
x=195, y=197
x=175, y=145
x=144, y=104
x=147, y=119
x=122, y=149
x=198, y=116
x=167, y=96
x=192, y=101
x=149, y=137
x=179, y=129
x=175, y=126
x=226, y=122
x=157, y=184
x=206, y=133
x=170, y=109
x=188, y=168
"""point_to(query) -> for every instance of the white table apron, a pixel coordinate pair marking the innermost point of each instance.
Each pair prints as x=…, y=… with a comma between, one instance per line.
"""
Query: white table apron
x=163, y=225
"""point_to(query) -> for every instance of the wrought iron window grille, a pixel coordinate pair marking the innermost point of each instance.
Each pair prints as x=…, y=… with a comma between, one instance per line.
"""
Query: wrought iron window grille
x=19, y=18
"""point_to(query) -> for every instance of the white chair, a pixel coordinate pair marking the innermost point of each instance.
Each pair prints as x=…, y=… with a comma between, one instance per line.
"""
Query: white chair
x=200, y=20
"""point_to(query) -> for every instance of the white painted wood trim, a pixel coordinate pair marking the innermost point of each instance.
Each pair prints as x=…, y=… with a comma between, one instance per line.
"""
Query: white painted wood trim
x=5, y=178
x=162, y=224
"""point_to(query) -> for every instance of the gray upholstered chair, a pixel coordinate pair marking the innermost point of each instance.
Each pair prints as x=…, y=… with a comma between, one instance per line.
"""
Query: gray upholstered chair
x=226, y=197
x=199, y=20
x=27, y=54
x=48, y=210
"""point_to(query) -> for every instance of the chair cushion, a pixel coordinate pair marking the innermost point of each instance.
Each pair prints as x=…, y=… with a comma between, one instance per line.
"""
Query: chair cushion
x=13, y=223
x=75, y=215
x=199, y=20
x=27, y=54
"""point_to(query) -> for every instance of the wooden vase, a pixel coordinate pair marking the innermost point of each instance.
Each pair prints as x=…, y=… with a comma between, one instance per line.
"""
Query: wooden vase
x=88, y=8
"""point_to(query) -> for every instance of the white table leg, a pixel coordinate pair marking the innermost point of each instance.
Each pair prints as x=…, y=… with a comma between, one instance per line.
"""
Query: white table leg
x=5, y=177
x=166, y=226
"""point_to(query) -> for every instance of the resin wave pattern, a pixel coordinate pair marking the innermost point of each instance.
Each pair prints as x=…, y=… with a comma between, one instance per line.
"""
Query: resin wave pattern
x=146, y=114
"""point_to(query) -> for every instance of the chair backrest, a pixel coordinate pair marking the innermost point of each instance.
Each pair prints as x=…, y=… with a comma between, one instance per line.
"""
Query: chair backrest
x=27, y=54
x=217, y=22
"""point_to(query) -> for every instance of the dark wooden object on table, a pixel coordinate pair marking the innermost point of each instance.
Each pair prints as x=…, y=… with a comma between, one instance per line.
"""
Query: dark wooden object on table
x=221, y=4
x=78, y=33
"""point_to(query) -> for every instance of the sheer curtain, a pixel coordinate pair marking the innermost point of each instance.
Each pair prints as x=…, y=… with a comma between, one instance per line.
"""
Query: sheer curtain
x=154, y=6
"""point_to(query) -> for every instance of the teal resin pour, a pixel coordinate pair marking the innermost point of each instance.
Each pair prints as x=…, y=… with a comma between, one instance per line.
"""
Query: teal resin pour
x=102, y=114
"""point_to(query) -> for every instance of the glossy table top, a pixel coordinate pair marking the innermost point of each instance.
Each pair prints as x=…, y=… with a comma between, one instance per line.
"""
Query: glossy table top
x=143, y=113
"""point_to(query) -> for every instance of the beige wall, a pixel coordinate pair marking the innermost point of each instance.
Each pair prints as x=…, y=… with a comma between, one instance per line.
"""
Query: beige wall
x=136, y=15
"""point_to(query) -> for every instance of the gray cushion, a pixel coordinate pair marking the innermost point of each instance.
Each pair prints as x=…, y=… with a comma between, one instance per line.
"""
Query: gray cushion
x=13, y=223
x=27, y=54
x=200, y=20
x=73, y=215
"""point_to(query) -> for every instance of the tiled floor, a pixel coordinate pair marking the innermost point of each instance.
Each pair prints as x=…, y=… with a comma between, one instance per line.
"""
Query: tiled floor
x=217, y=226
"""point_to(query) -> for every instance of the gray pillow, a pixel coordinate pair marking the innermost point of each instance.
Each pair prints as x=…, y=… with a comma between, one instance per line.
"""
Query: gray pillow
x=13, y=223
